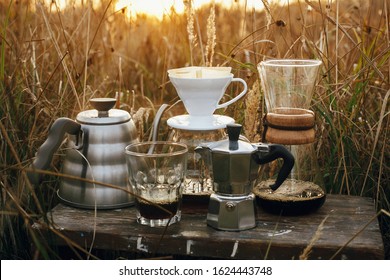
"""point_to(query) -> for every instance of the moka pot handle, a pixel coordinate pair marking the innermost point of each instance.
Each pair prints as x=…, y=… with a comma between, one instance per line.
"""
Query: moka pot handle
x=46, y=151
x=277, y=151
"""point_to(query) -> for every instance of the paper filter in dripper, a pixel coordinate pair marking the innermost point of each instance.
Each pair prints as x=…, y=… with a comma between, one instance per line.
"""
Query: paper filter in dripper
x=200, y=72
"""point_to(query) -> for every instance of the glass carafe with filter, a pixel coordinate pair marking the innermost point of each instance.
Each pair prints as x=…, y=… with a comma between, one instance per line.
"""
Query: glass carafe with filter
x=288, y=86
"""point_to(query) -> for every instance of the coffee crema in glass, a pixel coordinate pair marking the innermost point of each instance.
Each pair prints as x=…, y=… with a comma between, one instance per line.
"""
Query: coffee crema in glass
x=158, y=209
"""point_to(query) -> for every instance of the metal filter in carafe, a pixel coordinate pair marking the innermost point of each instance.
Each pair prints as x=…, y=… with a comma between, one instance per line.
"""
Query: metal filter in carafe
x=288, y=87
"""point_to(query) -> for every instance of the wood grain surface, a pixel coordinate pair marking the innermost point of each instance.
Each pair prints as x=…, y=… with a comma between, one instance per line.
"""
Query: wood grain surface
x=350, y=230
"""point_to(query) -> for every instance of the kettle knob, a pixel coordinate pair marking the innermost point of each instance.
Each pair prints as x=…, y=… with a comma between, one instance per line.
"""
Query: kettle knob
x=103, y=105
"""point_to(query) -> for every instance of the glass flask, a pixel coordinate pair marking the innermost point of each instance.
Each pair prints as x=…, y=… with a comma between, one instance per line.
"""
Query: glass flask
x=198, y=183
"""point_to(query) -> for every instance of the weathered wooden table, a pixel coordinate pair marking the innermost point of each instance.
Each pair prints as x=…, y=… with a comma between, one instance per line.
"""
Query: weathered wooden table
x=349, y=230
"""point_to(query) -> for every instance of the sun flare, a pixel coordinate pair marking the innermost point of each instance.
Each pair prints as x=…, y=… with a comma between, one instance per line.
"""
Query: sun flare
x=150, y=7
x=160, y=8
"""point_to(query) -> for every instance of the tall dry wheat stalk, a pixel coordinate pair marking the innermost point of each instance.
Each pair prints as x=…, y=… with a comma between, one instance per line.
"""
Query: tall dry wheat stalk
x=253, y=113
x=211, y=36
x=191, y=28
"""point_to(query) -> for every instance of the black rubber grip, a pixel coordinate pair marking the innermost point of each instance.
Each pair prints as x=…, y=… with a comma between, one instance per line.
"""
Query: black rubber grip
x=278, y=151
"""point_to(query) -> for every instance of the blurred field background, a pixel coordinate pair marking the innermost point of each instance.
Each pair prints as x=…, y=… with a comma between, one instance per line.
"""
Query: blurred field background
x=52, y=61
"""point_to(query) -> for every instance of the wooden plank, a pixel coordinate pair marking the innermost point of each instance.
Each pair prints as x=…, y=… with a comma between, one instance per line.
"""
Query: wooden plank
x=275, y=237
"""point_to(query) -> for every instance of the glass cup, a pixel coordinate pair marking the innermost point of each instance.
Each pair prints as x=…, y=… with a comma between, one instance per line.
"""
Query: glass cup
x=157, y=171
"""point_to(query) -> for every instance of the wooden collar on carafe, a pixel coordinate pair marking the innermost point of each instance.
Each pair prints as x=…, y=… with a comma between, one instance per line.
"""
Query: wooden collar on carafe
x=289, y=126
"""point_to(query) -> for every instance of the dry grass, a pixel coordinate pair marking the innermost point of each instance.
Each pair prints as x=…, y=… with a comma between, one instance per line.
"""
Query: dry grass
x=306, y=252
x=52, y=62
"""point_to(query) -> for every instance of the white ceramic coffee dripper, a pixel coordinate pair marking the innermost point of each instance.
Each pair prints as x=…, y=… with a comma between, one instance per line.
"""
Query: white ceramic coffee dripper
x=202, y=88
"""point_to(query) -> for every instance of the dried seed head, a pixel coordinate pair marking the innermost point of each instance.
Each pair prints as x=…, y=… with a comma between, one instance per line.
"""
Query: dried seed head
x=281, y=23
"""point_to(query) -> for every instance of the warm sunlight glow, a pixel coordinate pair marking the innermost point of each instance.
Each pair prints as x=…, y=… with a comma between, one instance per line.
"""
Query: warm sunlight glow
x=62, y=4
x=150, y=7
x=161, y=7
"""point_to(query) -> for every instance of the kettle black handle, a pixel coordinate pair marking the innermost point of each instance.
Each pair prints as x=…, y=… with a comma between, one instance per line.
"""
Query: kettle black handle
x=278, y=151
x=46, y=151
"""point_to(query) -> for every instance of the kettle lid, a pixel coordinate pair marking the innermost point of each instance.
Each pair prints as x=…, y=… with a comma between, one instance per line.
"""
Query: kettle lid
x=233, y=145
x=103, y=113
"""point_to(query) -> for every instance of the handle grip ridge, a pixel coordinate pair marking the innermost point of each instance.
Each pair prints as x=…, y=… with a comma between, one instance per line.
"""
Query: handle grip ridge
x=46, y=151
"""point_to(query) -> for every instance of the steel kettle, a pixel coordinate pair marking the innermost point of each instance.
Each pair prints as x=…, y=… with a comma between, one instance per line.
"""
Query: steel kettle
x=95, y=151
